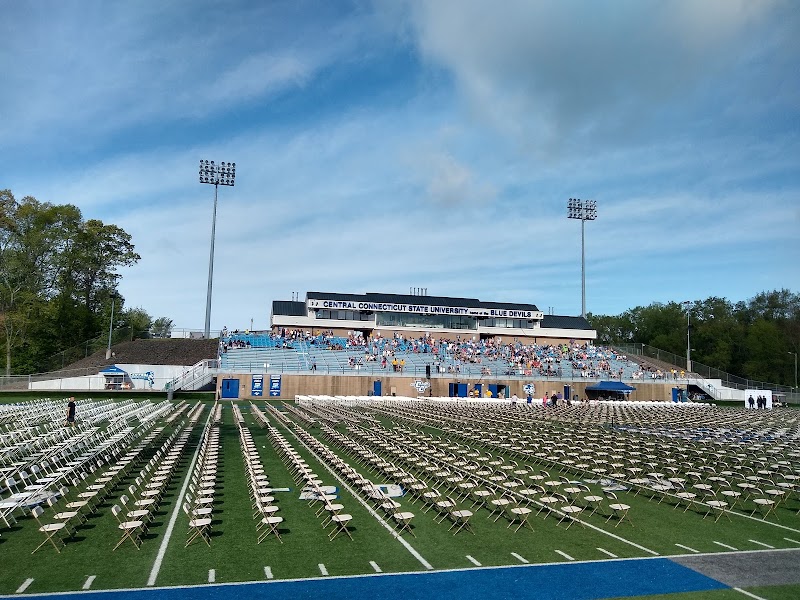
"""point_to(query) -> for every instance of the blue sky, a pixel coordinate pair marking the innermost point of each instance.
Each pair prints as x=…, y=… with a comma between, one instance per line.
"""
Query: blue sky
x=394, y=144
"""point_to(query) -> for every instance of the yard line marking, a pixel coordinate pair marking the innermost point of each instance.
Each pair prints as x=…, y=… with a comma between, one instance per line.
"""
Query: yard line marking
x=687, y=548
x=268, y=572
x=791, y=540
x=322, y=569
x=24, y=586
x=363, y=503
x=519, y=558
x=375, y=566
x=607, y=553
x=473, y=561
x=162, y=550
x=725, y=546
x=212, y=575
x=88, y=583
x=761, y=544
x=564, y=554
x=748, y=594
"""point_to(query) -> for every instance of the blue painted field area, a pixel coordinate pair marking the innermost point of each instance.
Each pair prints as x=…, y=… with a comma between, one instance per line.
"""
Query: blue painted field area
x=582, y=581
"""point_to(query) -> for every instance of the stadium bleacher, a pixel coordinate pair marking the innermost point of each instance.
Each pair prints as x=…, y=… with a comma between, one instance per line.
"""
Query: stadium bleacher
x=328, y=354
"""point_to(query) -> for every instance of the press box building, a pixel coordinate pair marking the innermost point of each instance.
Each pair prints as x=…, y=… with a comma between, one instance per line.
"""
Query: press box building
x=413, y=315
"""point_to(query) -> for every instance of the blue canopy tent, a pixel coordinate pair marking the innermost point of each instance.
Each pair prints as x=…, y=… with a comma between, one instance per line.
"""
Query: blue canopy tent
x=116, y=378
x=613, y=389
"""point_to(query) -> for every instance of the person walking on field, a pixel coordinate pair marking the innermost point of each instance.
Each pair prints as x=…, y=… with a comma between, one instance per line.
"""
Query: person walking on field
x=71, y=411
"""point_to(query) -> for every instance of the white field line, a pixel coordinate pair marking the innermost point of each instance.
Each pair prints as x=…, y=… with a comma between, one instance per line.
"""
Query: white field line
x=725, y=546
x=740, y=590
x=388, y=527
x=473, y=561
x=375, y=566
x=791, y=540
x=365, y=575
x=268, y=572
x=607, y=553
x=687, y=548
x=761, y=544
x=88, y=583
x=162, y=550
x=762, y=521
x=519, y=558
x=322, y=569
x=212, y=575
x=564, y=554
x=24, y=586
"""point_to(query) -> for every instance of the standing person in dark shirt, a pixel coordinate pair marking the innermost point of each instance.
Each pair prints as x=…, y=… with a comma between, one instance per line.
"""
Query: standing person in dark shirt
x=71, y=411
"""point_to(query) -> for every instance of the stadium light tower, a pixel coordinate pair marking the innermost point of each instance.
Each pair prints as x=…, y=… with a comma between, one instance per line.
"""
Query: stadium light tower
x=114, y=296
x=585, y=210
x=688, y=304
x=216, y=175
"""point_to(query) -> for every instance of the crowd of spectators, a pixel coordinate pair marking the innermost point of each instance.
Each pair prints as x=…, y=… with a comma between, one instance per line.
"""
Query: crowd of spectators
x=493, y=355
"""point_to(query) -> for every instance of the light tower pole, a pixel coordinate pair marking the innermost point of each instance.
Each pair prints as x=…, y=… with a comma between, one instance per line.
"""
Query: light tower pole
x=585, y=210
x=216, y=175
x=114, y=296
x=688, y=304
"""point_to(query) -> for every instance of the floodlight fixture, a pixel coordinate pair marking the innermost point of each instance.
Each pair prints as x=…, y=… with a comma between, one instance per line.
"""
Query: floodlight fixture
x=215, y=174
x=584, y=210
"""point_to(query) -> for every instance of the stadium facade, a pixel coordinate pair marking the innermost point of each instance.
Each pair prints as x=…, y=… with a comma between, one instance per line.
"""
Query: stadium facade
x=412, y=314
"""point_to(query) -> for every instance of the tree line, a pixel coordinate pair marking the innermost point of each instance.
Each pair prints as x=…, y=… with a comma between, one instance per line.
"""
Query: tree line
x=755, y=339
x=58, y=276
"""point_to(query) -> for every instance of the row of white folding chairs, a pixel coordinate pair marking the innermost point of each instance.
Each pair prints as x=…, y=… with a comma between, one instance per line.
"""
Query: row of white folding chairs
x=258, y=415
x=30, y=489
x=72, y=507
x=263, y=502
x=138, y=505
x=199, y=502
x=371, y=491
x=311, y=486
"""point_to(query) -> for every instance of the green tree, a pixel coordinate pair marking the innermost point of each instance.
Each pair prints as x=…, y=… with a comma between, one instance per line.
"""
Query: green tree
x=162, y=327
x=56, y=275
x=766, y=349
x=32, y=236
x=137, y=321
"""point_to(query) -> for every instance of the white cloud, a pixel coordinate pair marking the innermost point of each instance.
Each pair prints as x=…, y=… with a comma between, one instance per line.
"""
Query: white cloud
x=554, y=74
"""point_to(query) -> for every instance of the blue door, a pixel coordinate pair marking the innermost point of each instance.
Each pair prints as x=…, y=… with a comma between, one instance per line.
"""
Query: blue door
x=230, y=388
x=493, y=389
x=377, y=388
x=462, y=390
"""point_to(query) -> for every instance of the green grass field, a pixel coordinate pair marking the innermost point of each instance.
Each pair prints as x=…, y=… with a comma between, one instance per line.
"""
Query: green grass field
x=654, y=529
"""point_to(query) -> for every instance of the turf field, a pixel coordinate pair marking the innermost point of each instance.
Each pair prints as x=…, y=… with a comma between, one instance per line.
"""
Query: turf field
x=648, y=550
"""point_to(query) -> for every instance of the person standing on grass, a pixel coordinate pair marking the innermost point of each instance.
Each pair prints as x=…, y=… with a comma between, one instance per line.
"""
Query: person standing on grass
x=71, y=411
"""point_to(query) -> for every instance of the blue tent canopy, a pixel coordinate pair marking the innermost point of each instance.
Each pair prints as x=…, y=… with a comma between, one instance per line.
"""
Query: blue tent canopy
x=113, y=370
x=610, y=386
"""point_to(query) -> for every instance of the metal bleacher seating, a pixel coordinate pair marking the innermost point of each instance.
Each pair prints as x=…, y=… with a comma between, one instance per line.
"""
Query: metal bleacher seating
x=338, y=355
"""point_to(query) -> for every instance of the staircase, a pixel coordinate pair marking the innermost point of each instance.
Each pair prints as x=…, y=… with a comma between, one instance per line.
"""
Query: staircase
x=197, y=377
